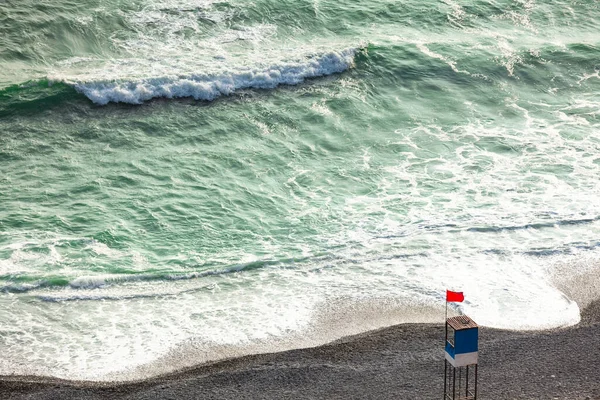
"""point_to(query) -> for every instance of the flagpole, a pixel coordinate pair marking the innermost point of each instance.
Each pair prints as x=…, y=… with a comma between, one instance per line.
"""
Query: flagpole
x=445, y=323
x=446, y=308
x=446, y=319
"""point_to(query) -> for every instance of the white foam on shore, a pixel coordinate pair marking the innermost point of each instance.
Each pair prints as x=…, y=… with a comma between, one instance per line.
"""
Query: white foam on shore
x=142, y=328
x=210, y=86
x=328, y=322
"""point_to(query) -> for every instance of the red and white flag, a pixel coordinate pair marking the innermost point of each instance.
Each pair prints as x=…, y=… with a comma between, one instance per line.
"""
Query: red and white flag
x=454, y=297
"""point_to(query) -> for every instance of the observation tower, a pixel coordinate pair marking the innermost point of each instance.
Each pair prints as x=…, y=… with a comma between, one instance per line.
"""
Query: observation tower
x=460, y=362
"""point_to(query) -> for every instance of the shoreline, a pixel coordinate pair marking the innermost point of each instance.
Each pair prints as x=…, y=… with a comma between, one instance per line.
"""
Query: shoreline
x=401, y=361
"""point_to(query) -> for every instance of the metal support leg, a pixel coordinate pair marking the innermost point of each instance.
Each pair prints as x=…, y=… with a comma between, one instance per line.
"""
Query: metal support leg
x=445, y=377
x=475, y=398
x=453, y=383
x=467, y=383
x=459, y=381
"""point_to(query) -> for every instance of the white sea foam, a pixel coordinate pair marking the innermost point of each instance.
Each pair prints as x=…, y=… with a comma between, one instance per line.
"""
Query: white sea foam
x=525, y=261
x=452, y=64
x=210, y=86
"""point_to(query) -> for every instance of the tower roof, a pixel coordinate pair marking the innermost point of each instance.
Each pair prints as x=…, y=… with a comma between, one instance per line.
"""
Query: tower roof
x=461, y=322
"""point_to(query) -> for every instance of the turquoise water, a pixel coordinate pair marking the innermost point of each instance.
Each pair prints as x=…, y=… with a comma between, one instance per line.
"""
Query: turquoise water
x=186, y=180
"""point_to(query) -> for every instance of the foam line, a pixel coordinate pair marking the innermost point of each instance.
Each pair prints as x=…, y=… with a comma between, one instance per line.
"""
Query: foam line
x=99, y=281
x=211, y=86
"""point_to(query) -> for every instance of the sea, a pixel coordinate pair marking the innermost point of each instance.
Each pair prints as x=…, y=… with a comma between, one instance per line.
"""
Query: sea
x=183, y=181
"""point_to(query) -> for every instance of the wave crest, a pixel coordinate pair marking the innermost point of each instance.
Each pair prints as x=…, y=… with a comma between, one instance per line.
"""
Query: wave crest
x=211, y=86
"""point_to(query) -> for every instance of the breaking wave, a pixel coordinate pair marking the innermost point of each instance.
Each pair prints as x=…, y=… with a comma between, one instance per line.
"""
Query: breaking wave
x=53, y=90
x=210, y=86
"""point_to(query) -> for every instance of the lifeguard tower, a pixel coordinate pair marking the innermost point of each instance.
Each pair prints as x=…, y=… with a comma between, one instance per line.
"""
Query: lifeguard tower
x=460, y=363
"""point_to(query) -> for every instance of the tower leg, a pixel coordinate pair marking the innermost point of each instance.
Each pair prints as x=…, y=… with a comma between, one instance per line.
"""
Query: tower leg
x=459, y=380
x=467, y=383
x=445, y=377
x=453, y=383
x=476, y=381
